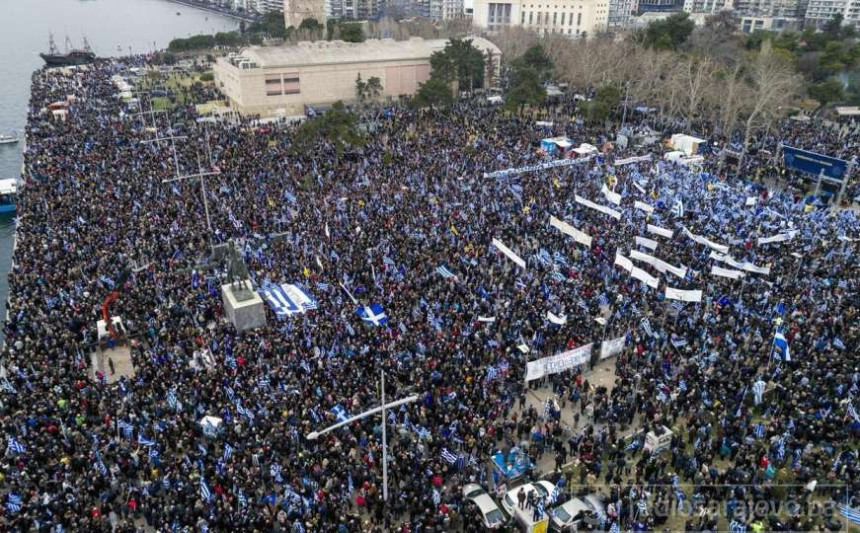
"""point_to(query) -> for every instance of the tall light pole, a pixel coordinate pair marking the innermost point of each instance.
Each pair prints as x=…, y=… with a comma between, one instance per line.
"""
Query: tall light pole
x=382, y=407
x=202, y=175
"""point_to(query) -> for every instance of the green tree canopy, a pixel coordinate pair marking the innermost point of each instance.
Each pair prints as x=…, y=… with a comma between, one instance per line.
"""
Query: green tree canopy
x=434, y=92
x=351, y=32
x=669, y=33
x=827, y=91
x=337, y=126
x=537, y=58
x=459, y=61
x=525, y=88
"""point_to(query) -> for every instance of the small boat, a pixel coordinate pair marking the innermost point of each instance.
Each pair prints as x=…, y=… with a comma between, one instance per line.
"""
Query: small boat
x=8, y=195
x=8, y=139
x=178, y=13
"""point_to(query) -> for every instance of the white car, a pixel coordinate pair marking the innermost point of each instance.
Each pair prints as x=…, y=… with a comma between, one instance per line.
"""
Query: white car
x=491, y=516
x=510, y=502
x=570, y=515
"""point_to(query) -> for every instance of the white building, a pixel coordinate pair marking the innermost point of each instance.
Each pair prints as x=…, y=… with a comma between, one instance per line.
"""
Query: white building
x=706, y=6
x=620, y=13
x=818, y=12
x=452, y=9
x=573, y=18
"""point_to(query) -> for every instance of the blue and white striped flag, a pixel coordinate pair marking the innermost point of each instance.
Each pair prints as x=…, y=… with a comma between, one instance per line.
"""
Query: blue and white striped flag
x=759, y=431
x=340, y=413
x=780, y=346
x=243, y=500
x=15, y=446
x=646, y=327
x=143, y=441
x=445, y=272
x=852, y=515
x=448, y=457
x=737, y=527
x=541, y=508
x=758, y=391
x=13, y=502
x=205, y=493
x=437, y=498
x=228, y=452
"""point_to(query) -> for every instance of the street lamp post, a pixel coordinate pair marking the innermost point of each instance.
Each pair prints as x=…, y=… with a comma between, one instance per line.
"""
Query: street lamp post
x=381, y=409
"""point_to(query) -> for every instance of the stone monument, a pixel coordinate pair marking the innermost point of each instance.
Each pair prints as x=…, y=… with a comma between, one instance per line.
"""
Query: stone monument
x=242, y=305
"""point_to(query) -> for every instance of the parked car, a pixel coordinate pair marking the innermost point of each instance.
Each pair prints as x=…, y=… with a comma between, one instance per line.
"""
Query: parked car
x=543, y=489
x=491, y=516
x=577, y=514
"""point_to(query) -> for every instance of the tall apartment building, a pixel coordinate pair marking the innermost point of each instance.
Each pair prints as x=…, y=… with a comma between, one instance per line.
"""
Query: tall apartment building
x=295, y=11
x=573, y=18
x=452, y=9
x=353, y=9
x=818, y=12
x=266, y=6
x=772, y=15
x=620, y=13
x=706, y=6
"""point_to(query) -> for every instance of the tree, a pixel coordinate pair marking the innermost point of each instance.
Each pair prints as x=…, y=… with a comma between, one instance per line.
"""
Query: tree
x=311, y=24
x=374, y=87
x=669, y=33
x=434, y=92
x=351, y=32
x=537, y=58
x=336, y=126
x=718, y=39
x=360, y=88
x=772, y=85
x=459, y=61
x=833, y=27
x=525, y=89
x=829, y=90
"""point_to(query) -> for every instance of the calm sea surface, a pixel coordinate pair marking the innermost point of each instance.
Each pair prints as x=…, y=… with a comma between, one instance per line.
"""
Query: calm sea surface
x=113, y=27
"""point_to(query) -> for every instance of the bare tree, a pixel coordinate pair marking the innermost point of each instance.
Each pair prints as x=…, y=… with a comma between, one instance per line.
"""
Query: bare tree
x=773, y=83
x=697, y=74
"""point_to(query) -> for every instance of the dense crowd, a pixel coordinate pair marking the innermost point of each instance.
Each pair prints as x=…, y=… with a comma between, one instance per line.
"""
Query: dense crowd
x=88, y=453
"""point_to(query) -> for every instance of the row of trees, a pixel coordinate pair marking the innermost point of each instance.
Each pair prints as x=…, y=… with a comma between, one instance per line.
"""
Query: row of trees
x=704, y=77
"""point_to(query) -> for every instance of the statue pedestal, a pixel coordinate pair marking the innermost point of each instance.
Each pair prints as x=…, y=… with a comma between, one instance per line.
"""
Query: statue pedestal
x=243, y=306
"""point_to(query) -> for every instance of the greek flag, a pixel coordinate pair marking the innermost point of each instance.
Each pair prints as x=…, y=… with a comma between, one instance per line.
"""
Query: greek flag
x=263, y=381
x=558, y=276
x=680, y=496
x=205, y=493
x=682, y=385
x=541, y=509
x=758, y=391
x=275, y=472
x=101, y=465
x=243, y=500
x=448, y=457
x=126, y=428
x=553, y=497
x=603, y=299
x=15, y=446
x=372, y=314
x=758, y=430
x=560, y=259
x=228, y=452
x=543, y=257
x=633, y=446
x=646, y=327
x=780, y=346
x=153, y=453
x=492, y=373
x=173, y=402
x=614, y=528
x=851, y=514
x=678, y=208
x=437, y=498
x=13, y=502
x=737, y=527
x=445, y=272
x=340, y=413
x=287, y=299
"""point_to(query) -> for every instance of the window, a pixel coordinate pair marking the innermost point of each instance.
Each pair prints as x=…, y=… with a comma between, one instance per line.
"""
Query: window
x=292, y=80
x=278, y=92
x=562, y=19
x=538, y=18
x=531, y=17
x=578, y=20
x=554, y=19
x=523, y=18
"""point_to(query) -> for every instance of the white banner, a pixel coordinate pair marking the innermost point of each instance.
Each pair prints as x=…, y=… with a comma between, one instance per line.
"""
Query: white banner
x=749, y=267
x=644, y=277
x=555, y=319
x=777, y=238
x=536, y=168
x=603, y=209
x=613, y=197
x=639, y=187
x=684, y=296
x=510, y=253
x=558, y=363
x=647, y=243
x=611, y=347
x=630, y=160
x=751, y=200
x=623, y=262
x=659, y=264
x=657, y=230
x=643, y=206
x=726, y=272
x=702, y=240
x=567, y=229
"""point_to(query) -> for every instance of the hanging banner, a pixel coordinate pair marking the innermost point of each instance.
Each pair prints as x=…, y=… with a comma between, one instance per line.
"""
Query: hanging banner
x=644, y=207
x=647, y=243
x=558, y=363
x=702, y=240
x=777, y=238
x=645, y=277
x=611, y=347
x=659, y=264
x=623, y=262
x=726, y=272
x=536, y=168
x=684, y=296
x=657, y=230
x=631, y=160
x=814, y=163
x=749, y=267
x=603, y=209
x=510, y=253
x=613, y=197
x=567, y=229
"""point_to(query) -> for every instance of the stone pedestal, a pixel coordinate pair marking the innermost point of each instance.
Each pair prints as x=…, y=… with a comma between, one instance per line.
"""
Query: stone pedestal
x=243, y=306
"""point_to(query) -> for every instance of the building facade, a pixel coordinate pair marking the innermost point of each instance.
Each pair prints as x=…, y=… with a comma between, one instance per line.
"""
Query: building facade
x=282, y=80
x=572, y=18
x=706, y=6
x=295, y=11
x=620, y=13
x=818, y=12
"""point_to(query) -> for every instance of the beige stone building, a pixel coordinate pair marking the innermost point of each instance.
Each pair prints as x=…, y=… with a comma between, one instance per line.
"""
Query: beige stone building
x=272, y=81
x=295, y=11
x=571, y=18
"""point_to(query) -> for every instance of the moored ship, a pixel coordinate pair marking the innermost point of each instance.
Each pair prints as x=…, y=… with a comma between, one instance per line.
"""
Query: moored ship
x=72, y=56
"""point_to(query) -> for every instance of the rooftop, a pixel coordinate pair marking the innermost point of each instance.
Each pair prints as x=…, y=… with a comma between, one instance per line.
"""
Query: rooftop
x=338, y=52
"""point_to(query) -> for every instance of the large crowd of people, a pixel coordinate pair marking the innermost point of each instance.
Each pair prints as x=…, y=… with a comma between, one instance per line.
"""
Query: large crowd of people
x=758, y=380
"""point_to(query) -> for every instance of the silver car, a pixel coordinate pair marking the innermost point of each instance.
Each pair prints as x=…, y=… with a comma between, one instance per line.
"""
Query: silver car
x=574, y=514
x=491, y=516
